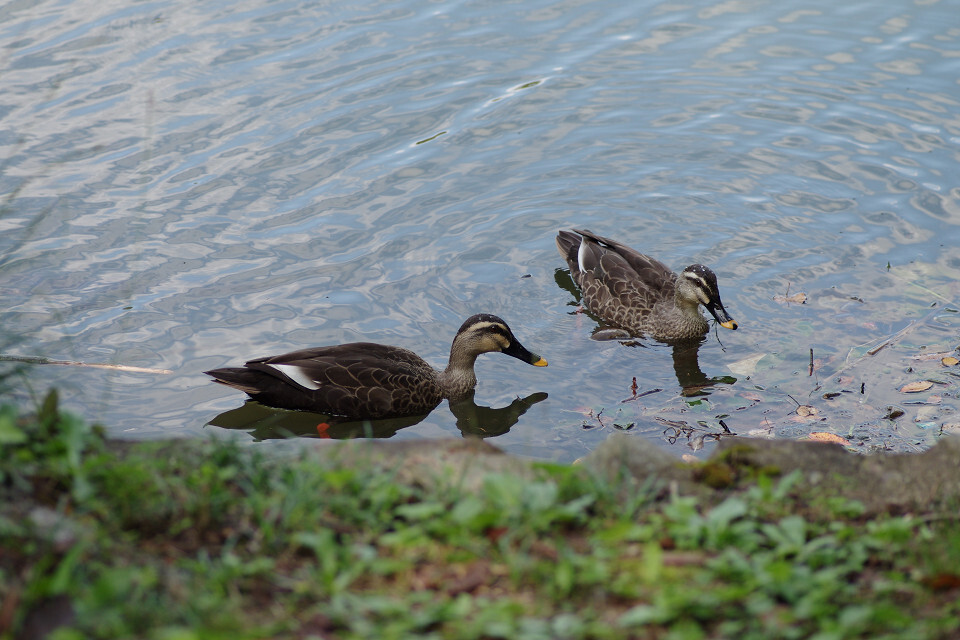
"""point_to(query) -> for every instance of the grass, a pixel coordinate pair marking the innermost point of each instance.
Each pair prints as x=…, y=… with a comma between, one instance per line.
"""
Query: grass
x=174, y=541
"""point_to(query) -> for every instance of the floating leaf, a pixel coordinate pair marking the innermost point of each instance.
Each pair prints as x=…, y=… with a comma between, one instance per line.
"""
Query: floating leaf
x=950, y=361
x=747, y=366
x=916, y=387
x=806, y=410
x=823, y=436
x=932, y=356
x=797, y=298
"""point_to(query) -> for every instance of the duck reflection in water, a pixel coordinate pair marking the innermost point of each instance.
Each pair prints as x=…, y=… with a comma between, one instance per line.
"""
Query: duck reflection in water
x=639, y=296
x=266, y=423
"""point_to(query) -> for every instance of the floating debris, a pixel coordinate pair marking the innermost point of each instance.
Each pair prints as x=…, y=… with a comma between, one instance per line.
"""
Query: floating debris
x=823, y=436
x=797, y=298
x=893, y=413
x=916, y=387
x=747, y=366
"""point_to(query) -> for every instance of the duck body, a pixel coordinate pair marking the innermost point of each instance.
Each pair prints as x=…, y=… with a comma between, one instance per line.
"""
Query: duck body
x=368, y=380
x=640, y=294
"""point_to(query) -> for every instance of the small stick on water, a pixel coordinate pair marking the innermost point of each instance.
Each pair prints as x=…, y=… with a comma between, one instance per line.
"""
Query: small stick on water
x=811, y=362
x=97, y=365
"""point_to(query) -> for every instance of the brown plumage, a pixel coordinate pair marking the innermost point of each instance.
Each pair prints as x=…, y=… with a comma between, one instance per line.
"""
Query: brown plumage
x=638, y=293
x=368, y=380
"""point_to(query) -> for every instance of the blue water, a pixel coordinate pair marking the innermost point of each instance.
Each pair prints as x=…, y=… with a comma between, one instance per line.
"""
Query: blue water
x=189, y=185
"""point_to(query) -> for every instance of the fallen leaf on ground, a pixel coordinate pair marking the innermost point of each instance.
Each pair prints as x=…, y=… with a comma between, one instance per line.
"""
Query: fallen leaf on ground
x=823, y=436
x=943, y=581
x=916, y=387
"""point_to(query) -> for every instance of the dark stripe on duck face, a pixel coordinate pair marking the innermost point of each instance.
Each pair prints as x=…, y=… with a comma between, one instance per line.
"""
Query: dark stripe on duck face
x=705, y=282
x=497, y=332
x=708, y=293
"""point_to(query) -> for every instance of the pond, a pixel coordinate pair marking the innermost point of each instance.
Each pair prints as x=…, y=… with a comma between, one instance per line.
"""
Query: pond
x=186, y=186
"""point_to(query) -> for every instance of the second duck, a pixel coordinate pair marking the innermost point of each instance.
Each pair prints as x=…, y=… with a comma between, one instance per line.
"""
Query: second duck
x=640, y=294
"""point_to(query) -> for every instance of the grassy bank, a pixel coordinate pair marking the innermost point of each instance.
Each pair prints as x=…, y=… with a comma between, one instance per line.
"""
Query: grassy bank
x=211, y=540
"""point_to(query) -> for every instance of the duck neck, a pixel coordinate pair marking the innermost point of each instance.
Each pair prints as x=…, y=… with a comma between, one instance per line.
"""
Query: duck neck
x=689, y=308
x=458, y=378
x=691, y=322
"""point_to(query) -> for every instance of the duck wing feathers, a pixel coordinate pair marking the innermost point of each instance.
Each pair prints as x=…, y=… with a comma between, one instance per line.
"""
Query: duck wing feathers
x=356, y=380
x=619, y=284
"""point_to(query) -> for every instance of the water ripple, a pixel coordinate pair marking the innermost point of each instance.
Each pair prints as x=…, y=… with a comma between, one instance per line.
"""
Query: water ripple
x=188, y=184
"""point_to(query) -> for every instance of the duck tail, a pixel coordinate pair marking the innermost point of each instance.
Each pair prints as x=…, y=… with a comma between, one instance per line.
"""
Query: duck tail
x=245, y=380
x=568, y=243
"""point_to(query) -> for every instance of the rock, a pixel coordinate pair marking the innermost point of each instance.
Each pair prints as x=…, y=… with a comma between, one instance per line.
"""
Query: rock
x=882, y=482
x=465, y=462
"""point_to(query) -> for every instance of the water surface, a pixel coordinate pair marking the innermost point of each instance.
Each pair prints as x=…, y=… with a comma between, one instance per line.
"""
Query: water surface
x=186, y=186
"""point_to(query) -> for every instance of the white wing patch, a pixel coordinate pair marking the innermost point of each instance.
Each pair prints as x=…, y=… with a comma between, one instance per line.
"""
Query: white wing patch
x=296, y=374
x=581, y=254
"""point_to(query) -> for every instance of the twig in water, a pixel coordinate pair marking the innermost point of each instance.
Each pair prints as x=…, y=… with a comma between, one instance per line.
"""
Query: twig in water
x=97, y=365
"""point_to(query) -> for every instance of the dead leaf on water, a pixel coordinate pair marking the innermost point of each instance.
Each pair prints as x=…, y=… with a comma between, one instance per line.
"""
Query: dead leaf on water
x=950, y=361
x=916, y=387
x=823, y=436
x=747, y=366
x=797, y=298
x=806, y=410
x=931, y=356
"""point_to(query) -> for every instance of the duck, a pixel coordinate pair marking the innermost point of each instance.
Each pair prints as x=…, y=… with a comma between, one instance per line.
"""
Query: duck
x=365, y=380
x=640, y=294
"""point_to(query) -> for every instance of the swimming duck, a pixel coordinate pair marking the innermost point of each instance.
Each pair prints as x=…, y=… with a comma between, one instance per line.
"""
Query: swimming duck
x=367, y=380
x=638, y=293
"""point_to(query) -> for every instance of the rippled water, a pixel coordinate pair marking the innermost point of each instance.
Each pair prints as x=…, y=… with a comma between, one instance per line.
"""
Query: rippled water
x=188, y=185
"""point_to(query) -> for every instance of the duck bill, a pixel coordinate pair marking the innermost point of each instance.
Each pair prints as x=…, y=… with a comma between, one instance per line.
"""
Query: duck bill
x=721, y=316
x=520, y=352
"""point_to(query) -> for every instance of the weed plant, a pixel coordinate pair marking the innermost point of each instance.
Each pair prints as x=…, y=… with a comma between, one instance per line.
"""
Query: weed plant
x=193, y=539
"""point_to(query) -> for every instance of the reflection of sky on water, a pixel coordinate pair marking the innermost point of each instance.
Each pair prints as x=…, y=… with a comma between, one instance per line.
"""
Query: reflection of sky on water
x=185, y=186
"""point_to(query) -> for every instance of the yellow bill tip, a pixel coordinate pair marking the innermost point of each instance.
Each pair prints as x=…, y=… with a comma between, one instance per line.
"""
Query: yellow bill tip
x=539, y=363
x=729, y=324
